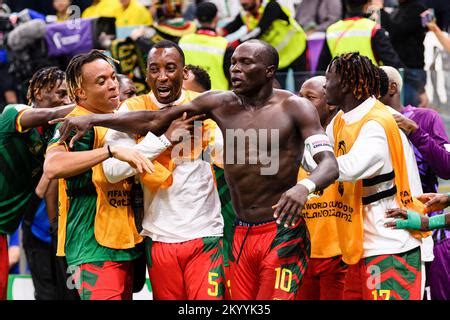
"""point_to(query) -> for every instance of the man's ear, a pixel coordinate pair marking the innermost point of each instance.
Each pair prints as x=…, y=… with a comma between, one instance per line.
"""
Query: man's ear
x=38, y=96
x=270, y=71
x=345, y=88
x=80, y=93
x=393, y=89
x=185, y=73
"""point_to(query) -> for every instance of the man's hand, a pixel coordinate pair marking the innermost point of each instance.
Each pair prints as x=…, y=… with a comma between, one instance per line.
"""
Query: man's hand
x=136, y=159
x=180, y=126
x=407, y=125
x=290, y=205
x=409, y=220
x=434, y=201
x=432, y=26
x=80, y=124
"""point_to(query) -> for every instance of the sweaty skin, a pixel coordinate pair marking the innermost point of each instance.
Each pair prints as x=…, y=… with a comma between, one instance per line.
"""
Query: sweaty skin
x=253, y=104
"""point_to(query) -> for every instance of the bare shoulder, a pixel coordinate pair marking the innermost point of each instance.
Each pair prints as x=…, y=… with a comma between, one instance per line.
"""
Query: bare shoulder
x=216, y=98
x=294, y=104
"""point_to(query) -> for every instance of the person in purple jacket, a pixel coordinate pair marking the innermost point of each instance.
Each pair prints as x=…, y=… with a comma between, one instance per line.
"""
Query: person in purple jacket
x=426, y=130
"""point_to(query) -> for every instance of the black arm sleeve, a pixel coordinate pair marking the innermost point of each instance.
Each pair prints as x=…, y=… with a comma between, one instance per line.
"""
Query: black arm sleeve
x=234, y=25
x=384, y=51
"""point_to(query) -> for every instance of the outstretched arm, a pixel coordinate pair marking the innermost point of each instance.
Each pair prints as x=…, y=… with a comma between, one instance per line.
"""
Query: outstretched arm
x=137, y=122
x=307, y=121
x=36, y=117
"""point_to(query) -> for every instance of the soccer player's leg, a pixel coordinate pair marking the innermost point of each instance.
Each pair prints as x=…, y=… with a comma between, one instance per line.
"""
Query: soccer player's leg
x=310, y=287
x=394, y=276
x=244, y=266
x=166, y=275
x=355, y=280
x=204, y=274
x=106, y=280
x=285, y=264
x=332, y=278
x=4, y=266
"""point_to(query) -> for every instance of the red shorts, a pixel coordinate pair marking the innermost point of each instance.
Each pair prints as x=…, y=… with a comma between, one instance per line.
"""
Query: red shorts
x=4, y=266
x=324, y=279
x=106, y=280
x=385, y=277
x=268, y=261
x=190, y=270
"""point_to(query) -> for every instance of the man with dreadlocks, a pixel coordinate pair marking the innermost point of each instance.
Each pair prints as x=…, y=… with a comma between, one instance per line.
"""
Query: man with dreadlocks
x=97, y=231
x=47, y=89
x=377, y=171
x=22, y=154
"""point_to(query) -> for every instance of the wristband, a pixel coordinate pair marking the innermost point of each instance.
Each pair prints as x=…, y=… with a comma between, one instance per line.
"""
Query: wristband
x=109, y=152
x=165, y=141
x=412, y=223
x=311, y=186
x=436, y=222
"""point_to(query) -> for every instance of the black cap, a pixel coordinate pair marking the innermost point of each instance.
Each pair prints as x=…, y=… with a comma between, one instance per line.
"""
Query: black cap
x=206, y=12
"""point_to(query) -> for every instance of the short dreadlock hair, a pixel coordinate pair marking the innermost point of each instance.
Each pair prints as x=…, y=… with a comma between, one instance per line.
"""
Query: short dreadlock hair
x=201, y=76
x=44, y=79
x=358, y=73
x=73, y=71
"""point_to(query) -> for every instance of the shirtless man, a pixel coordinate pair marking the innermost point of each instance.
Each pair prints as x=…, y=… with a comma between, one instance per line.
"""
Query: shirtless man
x=273, y=268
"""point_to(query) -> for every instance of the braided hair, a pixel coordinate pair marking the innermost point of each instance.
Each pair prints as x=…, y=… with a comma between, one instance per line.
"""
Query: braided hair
x=44, y=79
x=358, y=73
x=73, y=71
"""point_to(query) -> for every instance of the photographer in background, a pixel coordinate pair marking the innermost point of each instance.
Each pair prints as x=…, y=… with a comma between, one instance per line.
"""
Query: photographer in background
x=407, y=35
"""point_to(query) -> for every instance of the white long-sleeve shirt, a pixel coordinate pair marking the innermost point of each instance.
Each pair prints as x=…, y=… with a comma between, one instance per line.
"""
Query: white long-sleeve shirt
x=188, y=209
x=369, y=157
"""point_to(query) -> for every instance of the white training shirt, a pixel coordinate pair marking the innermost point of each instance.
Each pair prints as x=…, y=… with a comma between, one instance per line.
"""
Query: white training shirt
x=189, y=209
x=369, y=157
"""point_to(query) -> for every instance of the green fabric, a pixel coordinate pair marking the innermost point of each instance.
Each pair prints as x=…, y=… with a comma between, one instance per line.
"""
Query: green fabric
x=412, y=223
x=81, y=245
x=436, y=222
x=397, y=272
x=228, y=213
x=21, y=160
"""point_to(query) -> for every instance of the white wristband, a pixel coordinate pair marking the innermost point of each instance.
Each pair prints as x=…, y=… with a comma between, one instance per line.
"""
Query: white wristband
x=311, y=186
x=165, y=141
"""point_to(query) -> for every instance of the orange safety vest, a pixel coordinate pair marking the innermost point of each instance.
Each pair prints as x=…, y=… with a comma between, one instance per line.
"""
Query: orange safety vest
x=348, y=195
x=115, y=230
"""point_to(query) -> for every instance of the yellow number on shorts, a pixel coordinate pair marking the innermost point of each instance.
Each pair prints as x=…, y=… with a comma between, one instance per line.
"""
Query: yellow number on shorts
x=215, y=291
x=280, y=280
x=384, y=294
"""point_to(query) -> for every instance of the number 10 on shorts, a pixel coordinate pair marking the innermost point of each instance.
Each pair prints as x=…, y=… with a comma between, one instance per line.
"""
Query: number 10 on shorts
x=283, y=279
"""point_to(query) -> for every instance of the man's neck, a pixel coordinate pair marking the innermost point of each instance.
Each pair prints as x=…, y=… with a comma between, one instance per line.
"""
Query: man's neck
x=164, y=104
x=351, y=103
x=93, y=109
x=257, y=100
x=397, y=105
